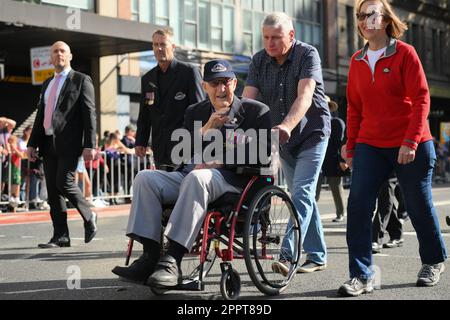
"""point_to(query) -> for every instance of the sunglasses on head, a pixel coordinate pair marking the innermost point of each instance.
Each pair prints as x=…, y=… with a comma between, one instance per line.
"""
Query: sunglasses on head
x=216, y=82
x=364, y=16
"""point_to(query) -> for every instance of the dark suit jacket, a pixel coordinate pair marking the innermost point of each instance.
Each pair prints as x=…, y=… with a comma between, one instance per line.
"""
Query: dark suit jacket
x=74, y=118
x=248, y=114
x=333, y=158
x=166, y=112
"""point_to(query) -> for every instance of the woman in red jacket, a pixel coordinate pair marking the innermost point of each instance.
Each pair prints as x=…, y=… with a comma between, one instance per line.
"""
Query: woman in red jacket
x=387, y=129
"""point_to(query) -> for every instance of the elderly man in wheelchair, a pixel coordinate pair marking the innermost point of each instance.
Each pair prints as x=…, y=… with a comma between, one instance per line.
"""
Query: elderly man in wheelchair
x=192, y=188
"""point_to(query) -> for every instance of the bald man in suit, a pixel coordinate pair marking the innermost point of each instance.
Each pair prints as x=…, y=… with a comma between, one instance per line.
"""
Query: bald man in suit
x=64, y=129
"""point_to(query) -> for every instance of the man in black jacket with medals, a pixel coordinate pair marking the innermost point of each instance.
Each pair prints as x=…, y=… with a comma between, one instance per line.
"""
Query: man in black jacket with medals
x=167, y=91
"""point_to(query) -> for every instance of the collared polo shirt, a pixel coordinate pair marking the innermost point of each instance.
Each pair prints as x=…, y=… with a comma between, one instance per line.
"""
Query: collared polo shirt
x=278, y=86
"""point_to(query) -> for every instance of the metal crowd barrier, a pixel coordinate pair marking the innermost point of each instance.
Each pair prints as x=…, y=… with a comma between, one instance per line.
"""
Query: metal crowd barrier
x=116, y=181
x=5, y=178
x=6, y=182
x=110, y=183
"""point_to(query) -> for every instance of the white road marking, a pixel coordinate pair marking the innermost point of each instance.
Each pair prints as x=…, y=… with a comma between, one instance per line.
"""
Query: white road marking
x=343, y=230
x=442, y=203
x=335, y=230
x=83, y=254
x=410, y=233
x=446, y=189
x=59, y=289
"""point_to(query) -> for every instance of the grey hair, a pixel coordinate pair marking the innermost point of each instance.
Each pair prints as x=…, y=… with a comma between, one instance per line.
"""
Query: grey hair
x=277, y=20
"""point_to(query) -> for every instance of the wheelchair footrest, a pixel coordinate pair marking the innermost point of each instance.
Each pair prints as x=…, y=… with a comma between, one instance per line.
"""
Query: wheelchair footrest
x=191, y=285
x=187, y=285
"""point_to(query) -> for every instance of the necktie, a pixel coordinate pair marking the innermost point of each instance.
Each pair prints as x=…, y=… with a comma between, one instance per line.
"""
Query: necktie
x=50, y=106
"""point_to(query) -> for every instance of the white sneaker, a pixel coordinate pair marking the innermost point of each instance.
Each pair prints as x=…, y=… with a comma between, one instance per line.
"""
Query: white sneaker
x=13, y=202
x=99, y=203
x=429, y=274
x=44, y=205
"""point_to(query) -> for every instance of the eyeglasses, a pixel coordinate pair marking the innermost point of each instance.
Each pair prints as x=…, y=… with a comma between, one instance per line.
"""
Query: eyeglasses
x=216, y=82
x=364, y=16
x=160, y=45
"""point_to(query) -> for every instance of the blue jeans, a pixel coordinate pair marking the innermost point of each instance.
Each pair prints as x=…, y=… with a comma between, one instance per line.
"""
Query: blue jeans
x=371, y=167
x=302, y=173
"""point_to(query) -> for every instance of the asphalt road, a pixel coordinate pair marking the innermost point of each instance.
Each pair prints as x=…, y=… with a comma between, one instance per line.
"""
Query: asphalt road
x=83, y=272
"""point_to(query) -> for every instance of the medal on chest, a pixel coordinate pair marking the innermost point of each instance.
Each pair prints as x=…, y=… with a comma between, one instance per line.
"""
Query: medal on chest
x=149, y=98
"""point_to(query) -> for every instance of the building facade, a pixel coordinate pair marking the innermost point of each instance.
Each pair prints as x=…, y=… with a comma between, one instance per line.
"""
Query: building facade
x=206, y=29
x=428, y=31
x=112, y=43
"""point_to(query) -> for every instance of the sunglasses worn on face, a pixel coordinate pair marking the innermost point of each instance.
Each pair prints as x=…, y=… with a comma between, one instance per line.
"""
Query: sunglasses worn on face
x=364, y=16
x=215, y=83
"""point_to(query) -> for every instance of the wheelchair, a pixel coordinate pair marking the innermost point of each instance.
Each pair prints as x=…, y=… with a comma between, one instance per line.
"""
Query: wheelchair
x=249, y=226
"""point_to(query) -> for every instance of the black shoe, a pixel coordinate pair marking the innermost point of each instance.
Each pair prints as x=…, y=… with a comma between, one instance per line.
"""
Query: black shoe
x=90, y=228
x=167, y=273
x=447, y=219
x=138, y=271
x=403, y=216
x=55, y=243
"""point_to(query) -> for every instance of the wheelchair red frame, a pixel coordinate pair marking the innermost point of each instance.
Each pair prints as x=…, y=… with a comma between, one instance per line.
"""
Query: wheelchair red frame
x=212, y=233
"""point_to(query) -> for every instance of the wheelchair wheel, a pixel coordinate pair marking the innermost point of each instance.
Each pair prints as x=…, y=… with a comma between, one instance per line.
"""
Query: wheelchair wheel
x=265, y=227
x=230, y=284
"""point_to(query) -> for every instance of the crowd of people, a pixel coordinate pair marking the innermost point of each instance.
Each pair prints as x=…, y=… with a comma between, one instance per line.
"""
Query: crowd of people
x=101, y=179
x=385, y=143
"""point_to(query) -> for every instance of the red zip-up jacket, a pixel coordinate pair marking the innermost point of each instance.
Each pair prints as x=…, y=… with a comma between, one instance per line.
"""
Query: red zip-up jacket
x=387, y=108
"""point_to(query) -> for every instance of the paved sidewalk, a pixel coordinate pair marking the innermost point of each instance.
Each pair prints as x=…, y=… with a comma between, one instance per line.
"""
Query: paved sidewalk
x=44, y=216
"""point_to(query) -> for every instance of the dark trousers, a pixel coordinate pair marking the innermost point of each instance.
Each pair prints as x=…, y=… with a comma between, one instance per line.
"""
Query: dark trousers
x=337, y=191
x=60, y=177
x=386, y=217
x=371, y=167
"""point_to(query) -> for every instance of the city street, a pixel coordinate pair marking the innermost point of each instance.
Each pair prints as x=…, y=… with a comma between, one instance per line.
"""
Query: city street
x=30, y=273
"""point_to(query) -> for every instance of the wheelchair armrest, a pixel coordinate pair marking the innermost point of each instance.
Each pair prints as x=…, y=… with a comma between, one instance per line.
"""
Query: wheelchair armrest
x=167, y=167
x=252, y=171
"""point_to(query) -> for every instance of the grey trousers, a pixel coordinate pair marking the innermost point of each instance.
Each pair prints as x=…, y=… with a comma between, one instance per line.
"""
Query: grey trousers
x=190, y=194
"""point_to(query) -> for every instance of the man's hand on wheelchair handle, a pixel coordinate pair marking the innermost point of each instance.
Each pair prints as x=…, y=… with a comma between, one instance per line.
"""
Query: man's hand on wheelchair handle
x=284, y=133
